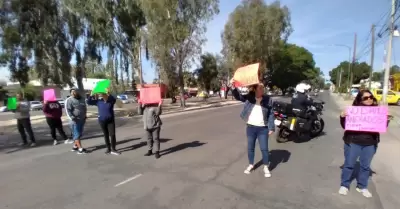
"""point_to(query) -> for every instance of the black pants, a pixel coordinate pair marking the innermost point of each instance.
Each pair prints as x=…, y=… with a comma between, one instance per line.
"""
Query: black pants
x=56, y=123
x=153, y=136
x=23, y=125
x=108, y=128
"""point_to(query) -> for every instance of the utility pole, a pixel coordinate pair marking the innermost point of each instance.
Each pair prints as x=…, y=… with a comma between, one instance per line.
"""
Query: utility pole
x=354, y=60
x=340, y=76
x=388, y=56
x=372, y=55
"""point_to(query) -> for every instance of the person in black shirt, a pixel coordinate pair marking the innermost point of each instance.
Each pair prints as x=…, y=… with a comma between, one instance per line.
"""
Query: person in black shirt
x=358, y=144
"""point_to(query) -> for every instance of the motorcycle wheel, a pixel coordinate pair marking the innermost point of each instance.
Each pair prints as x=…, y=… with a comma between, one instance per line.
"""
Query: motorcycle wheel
x=315, y=131
x=282, y=136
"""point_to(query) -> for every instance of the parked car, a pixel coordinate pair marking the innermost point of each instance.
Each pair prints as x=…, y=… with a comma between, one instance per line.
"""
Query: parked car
x=36, y=105
x=124, y=100
x=3, y=109
x=62, y=102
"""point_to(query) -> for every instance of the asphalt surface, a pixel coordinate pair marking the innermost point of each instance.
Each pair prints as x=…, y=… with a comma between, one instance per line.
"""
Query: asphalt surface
x=203, y=158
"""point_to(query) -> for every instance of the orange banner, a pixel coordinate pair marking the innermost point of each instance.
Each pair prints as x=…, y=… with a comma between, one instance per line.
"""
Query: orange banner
x=247, y=75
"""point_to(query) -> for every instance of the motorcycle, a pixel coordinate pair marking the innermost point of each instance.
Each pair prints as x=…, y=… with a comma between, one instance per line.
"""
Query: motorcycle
x=293, y=121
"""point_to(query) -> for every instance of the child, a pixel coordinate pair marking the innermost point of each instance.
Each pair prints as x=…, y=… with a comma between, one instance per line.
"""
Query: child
x=152, y=124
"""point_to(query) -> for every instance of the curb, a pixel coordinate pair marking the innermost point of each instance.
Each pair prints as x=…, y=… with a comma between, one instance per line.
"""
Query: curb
x=94, y=116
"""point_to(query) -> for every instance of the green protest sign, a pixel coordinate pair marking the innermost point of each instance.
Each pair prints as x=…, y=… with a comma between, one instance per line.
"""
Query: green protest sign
x=101, y=87
x=12, y=103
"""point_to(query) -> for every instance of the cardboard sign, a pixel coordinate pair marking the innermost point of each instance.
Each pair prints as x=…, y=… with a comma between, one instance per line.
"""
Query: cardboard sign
x=150, y=95
x=101, y=87
x=12, y=103
x=49, y=95
x=369, y=119
x=247, y=75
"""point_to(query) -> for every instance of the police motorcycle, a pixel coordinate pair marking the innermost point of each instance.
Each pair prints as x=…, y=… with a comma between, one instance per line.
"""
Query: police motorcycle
x=299, y=122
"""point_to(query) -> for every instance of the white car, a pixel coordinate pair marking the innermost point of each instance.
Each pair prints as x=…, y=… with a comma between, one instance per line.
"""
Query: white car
x=36, y=105
x=3, y=109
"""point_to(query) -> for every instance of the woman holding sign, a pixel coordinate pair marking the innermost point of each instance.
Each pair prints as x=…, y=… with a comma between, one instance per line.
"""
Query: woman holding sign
x=260, y=122
x=105, y=106
x=358, y=144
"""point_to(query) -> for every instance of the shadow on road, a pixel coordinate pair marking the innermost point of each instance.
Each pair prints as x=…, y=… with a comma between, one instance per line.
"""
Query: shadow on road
x=183, y=146
x=103, y=146
x=305, y=138
x=140, y=145
x=276, y=157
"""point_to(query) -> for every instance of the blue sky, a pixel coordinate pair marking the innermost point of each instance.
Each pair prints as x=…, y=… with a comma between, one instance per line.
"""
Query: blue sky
x=317, y=24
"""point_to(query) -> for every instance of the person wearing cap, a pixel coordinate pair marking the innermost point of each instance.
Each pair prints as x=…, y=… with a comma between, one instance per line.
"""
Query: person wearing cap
x=76, y=108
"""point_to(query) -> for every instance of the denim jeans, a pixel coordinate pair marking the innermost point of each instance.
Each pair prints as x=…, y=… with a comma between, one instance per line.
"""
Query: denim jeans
x=352, y=152
x=261, y=133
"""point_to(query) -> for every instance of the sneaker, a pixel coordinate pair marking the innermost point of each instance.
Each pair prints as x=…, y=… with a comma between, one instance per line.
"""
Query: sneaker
x=157, y=155
x=114, y=152
x=55, y=142
x=148, y=153
x=82, y=151
x=108, y=152
x=33, y=144
x=74, y=149
x=249, y=169
x=267, y=174
x=343, y=190
x=364, y=192
x=68, y=141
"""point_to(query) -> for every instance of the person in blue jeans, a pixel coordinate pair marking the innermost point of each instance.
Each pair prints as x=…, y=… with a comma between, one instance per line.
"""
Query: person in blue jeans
x=76, y=108
x=358, y=144
x=258, y=115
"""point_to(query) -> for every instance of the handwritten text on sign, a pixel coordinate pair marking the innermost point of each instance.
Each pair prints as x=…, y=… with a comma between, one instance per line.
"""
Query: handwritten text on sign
x=370, y=119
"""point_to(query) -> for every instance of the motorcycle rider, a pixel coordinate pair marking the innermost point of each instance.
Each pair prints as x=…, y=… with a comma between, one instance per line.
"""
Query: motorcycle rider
x=301, y=100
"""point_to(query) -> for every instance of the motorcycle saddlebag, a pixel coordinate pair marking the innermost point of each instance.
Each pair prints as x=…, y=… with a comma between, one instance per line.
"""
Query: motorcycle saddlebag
x=300, y=125
x=283, y=107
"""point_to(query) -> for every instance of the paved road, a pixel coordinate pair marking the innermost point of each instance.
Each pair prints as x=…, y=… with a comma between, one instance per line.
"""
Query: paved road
x=204, y=155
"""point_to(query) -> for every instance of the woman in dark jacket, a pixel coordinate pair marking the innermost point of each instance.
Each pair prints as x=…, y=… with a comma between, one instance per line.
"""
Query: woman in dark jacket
x=259, y=117
x=360, y=145
x=105, y=106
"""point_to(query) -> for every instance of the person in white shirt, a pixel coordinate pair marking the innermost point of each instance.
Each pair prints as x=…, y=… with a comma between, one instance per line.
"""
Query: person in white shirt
x=258, y=115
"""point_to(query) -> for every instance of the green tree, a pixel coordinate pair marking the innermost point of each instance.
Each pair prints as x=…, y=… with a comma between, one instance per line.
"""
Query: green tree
x=175, y=33
x=360, y=71
x=296, y=65
x=208, y=71
x=377, y=76
x=189, y=79
x=254, y=33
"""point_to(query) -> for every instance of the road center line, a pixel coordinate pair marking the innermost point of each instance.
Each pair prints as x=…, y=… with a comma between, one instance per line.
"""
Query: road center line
x=128, y=180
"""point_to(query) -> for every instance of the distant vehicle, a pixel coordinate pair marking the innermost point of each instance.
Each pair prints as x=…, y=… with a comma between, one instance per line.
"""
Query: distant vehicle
x=62, y=102
x=3, y=109
x=124, y=100
x=36, y=105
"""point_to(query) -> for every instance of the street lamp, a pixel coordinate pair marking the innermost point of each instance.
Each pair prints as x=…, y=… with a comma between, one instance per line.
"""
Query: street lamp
x=349, y=69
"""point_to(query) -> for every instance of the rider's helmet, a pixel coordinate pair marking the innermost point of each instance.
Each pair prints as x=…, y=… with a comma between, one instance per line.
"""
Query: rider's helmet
x=301, y=88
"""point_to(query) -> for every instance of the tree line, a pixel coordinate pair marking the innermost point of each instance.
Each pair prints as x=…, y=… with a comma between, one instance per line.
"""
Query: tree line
x=58, y=41
x=360, y=70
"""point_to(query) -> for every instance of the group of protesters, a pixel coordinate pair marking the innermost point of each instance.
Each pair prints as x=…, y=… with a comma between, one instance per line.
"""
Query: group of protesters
x=256, y=112
x=76, y=111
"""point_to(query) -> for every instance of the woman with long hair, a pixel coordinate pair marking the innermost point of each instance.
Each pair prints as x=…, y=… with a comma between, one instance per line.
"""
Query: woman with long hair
x=258, y=115
x=358, y=144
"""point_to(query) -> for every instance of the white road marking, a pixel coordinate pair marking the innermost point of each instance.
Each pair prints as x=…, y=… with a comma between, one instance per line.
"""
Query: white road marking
x=128, y=180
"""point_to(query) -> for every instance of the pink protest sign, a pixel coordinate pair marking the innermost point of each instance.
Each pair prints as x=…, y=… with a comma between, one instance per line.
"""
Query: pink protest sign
x=369, y=119
x=49, y=95
x=150, y=95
